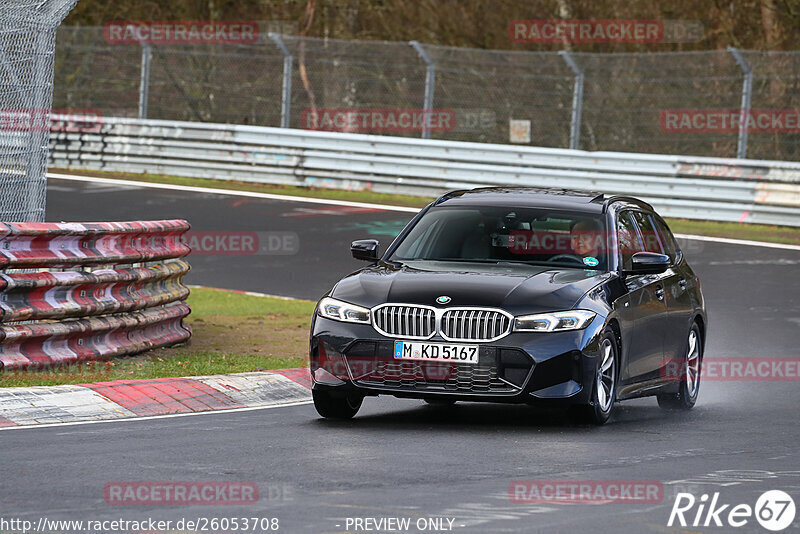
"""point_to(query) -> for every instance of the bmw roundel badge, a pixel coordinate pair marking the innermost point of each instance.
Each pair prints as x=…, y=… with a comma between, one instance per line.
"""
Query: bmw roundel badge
x=444, y=299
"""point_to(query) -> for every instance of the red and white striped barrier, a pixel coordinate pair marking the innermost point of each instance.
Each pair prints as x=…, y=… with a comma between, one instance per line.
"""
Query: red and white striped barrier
x=57, y=295
x=111, y=311
x=121, y=399
x=40, y=345
x=84, y=244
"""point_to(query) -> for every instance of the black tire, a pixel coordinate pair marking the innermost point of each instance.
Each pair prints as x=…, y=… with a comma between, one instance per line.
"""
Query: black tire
x=603, y=400
x=336, y=407
x=689, y=386
x=440, y=402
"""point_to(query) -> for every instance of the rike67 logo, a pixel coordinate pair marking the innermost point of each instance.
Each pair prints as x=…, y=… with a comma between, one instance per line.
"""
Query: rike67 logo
x=774, y=510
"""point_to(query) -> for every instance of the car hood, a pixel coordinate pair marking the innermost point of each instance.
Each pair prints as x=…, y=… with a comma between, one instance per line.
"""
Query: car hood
x=516, y=288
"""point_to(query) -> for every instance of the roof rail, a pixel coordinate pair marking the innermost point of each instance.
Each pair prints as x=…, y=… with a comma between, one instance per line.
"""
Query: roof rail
x=624, y=198
x=447, y=195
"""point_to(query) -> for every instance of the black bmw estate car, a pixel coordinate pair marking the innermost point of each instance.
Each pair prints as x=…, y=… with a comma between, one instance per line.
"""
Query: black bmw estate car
x=515, y=295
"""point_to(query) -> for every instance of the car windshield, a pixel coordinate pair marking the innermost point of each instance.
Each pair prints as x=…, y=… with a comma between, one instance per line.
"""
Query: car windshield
x=507, y=235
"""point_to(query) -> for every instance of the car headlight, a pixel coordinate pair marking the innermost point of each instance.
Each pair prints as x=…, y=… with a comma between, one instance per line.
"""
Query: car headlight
x=343, y=311
x=553, y=322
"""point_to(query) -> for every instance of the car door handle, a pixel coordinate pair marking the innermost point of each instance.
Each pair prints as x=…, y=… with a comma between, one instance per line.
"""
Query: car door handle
x=660, y=293
x=682, y=283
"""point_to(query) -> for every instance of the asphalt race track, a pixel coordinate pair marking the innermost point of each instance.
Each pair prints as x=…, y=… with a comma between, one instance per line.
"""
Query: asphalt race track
x=400, y=458
x=307, y=246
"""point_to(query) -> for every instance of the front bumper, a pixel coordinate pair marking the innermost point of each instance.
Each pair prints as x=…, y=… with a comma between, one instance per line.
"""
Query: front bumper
x=519, y=368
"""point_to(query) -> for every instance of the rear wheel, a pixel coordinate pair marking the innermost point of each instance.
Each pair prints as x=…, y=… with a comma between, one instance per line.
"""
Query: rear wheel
x=689, y=386
x=336, y=407
x=605, y=383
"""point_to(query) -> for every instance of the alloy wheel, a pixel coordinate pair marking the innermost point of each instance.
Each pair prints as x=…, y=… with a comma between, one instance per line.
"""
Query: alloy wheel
x=606, y=376
x=693, y=364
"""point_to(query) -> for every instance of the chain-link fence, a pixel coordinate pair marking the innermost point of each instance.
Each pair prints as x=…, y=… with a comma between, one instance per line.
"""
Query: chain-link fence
x=673, y=103
x=27, y=48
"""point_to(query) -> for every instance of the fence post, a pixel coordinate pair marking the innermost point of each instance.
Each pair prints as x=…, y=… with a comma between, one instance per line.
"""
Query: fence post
x=577, y=100
x=144, y=80
x=430, y=84
x=747, y=90
x=286, y=87
x=40, y=96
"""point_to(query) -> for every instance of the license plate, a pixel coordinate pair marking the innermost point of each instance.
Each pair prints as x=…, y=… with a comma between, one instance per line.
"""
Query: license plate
x=436, y=352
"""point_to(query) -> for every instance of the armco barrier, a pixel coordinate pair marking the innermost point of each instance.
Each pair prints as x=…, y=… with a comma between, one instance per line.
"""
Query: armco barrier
x=25, y=245
x=678, y=186
x=119, y=308
x=59, y=295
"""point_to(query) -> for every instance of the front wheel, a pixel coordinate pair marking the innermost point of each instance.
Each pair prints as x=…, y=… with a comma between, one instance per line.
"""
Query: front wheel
x=689, y=386
x=605, y=382
x=336, y=407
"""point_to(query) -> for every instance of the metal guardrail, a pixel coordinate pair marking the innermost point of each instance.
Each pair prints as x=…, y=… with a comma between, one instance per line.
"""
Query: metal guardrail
x=752, y=191
x=118, y=309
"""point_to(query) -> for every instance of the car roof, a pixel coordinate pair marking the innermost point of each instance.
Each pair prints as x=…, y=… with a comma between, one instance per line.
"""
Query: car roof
x=537, y=197
x=525, y=197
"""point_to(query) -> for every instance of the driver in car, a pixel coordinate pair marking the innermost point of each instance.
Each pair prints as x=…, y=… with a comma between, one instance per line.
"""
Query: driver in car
x=586, y=240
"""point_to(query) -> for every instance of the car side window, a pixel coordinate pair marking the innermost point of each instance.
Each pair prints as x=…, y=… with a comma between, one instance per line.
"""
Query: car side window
x=651, y=239
x=671, y=248
x=627, y=239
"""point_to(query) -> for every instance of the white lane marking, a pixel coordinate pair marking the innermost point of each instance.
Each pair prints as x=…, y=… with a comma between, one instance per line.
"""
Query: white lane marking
x=777, y=261
x=744, y=242
x=52, y=404
x=150, y=417
x=734, y=477
x=251, y=194
x=252, y=389
x=387, y=207
x=60, y=188
x=249, y=293
x=101, y=188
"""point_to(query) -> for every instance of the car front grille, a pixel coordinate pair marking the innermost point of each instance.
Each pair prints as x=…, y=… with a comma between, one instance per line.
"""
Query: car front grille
x=500, y=370
x=455, y=324
x=422, y=376
x=413, y=322
x=474, y=325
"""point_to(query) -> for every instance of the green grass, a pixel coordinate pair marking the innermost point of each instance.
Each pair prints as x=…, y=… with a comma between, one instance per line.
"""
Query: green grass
x=753, y=232
x=232, y=333
x=214, y=302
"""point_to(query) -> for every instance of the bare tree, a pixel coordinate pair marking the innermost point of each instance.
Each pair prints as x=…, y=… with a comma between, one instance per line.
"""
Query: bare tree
x=305, y=26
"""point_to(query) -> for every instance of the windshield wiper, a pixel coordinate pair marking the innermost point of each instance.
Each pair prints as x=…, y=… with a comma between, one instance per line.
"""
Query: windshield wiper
x=522, y=262
x=490, y=261
x=499, y=262
x=466, y=260
x=446, y=259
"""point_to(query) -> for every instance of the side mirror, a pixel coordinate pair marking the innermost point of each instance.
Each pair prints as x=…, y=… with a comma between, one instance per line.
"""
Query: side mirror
x=649, y=263
x=365, y=249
